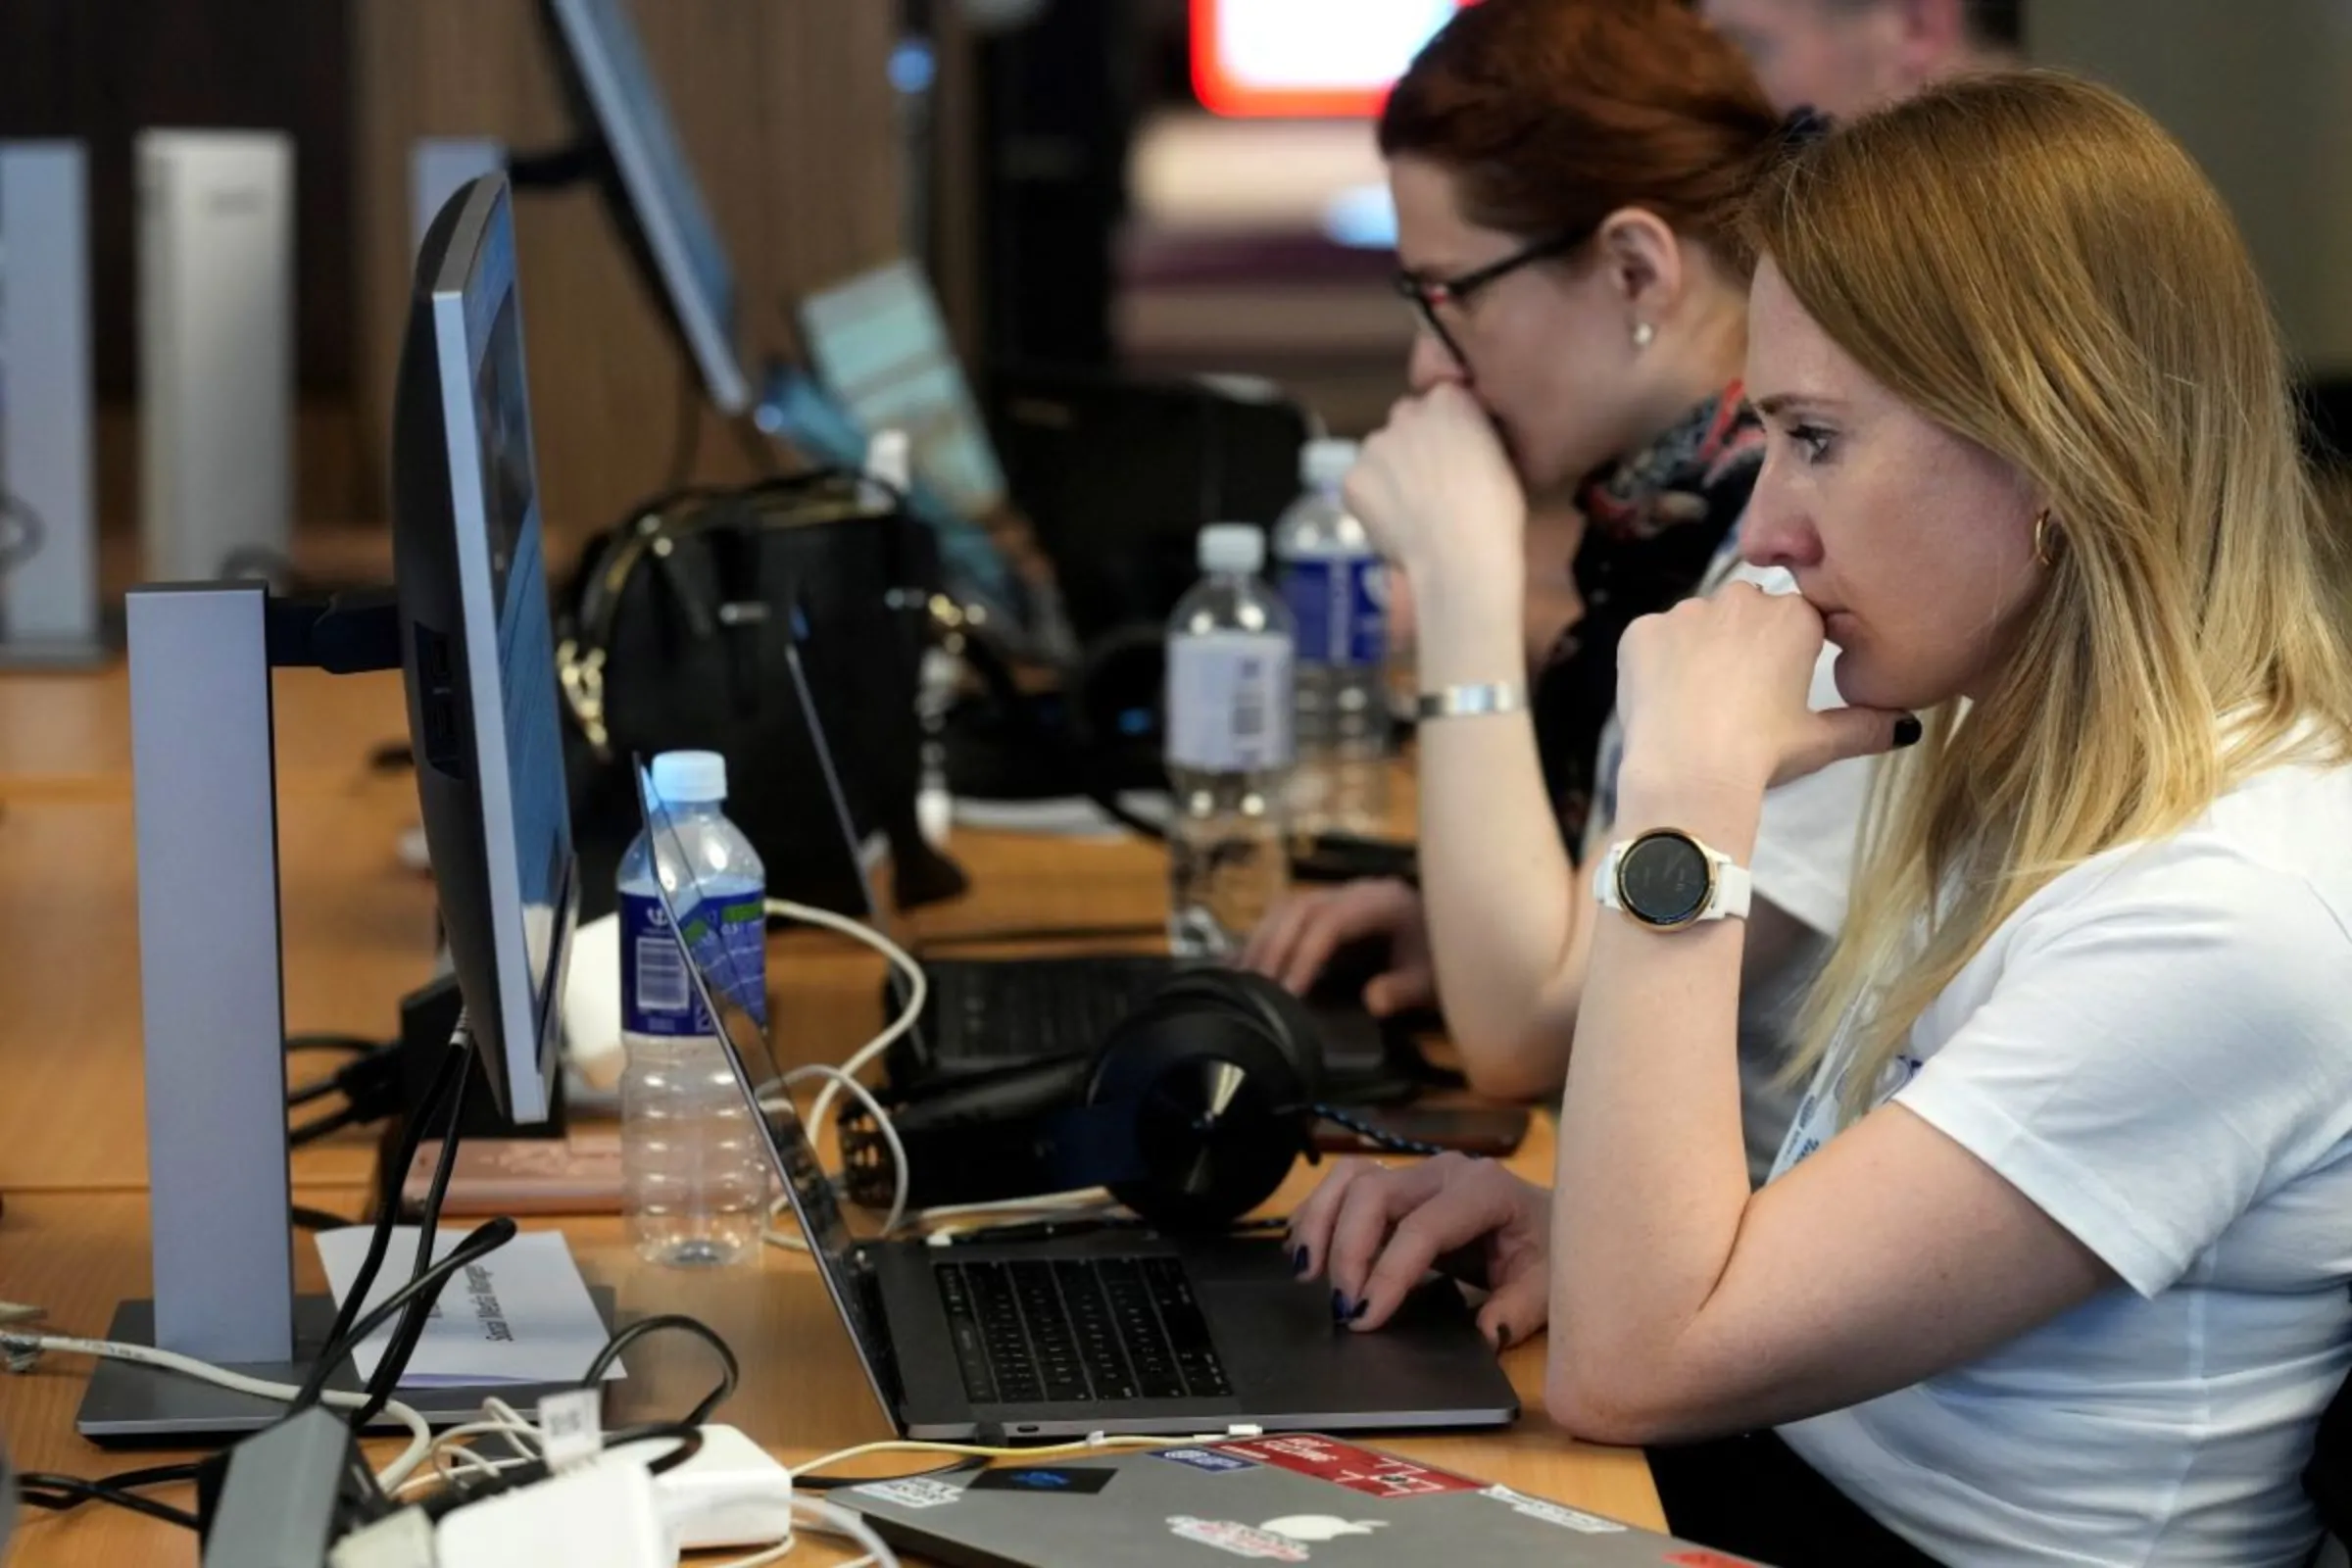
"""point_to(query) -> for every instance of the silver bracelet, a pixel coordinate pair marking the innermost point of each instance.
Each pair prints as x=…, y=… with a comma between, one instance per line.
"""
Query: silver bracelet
x=1472, y=702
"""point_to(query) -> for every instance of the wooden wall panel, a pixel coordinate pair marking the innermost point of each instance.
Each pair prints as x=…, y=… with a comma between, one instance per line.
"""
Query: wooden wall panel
x=786, y=115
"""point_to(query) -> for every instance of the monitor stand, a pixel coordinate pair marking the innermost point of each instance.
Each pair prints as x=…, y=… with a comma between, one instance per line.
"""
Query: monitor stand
x=210, y=972
x=131, y=1404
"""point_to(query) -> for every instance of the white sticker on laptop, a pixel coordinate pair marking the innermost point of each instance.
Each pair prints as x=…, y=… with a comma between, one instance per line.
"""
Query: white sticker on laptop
x=911, y=1493
x=1590, y=1524
x=1241, y=1540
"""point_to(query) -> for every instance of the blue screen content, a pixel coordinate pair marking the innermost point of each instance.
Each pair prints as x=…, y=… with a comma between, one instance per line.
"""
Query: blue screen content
x=526, y=651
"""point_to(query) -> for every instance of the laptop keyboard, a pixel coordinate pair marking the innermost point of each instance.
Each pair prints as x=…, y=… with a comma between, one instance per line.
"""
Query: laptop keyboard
x=1040, y=1009
x=1098, y=1329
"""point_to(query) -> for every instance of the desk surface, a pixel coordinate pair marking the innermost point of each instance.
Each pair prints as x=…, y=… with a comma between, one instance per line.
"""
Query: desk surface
x=358, y=934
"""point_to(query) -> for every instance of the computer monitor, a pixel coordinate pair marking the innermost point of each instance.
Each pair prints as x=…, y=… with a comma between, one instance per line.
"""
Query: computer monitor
x=649, y=190
x=477, y=650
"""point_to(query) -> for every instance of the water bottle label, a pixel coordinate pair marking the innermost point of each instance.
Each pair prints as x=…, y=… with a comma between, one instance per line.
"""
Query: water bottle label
x=1229, y=702
x=728, y=939
x=1341, y=607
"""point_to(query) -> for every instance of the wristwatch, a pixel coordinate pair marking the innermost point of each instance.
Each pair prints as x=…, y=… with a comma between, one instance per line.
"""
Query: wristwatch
x=1668, y=880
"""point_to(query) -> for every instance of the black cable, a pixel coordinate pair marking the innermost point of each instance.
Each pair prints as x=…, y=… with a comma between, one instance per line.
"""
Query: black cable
x=317, y=1219
x=730, y=1372
x=310, y=1132
x=1379, y=1136
x=1131, y=931
x=689, y=1436
x=479, y=1243
x=40, y=1489
x=405, y=1338
x=454, y=1062
x=348, y=1045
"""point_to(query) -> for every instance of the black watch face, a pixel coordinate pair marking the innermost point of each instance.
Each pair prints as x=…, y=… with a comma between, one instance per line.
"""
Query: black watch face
x=1663, y=879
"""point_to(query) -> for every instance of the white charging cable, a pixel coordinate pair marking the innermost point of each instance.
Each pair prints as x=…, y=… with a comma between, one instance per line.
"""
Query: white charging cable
x=919, y=989
x=15, y=1343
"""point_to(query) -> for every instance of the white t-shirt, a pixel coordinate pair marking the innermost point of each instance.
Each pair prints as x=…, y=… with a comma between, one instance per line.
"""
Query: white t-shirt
x=2157, y=1051
x=1804, y=860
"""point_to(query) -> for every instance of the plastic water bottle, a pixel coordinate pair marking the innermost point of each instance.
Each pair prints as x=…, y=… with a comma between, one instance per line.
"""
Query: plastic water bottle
x=1229, y=697
x=694, y=1179
x=1337, y=590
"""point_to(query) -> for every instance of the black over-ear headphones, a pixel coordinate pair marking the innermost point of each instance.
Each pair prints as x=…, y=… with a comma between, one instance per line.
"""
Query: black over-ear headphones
x=1192, y=1113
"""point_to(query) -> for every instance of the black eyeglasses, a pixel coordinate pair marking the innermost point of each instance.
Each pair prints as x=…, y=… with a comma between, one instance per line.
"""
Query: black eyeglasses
x=1426, y=295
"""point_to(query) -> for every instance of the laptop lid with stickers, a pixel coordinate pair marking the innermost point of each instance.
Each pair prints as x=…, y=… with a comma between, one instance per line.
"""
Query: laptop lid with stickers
x=1298, y=1498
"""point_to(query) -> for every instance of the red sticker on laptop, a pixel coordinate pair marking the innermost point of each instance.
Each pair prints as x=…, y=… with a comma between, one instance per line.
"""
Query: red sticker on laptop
x=1343, y=1464
x=1708, y=1559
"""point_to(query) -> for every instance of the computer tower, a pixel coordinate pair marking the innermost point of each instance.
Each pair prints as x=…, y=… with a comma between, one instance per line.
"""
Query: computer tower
x=48, y=522
x=215, y=268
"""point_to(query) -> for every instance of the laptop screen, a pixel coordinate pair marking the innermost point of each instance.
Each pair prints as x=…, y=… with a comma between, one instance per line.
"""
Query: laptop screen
x=727, y=988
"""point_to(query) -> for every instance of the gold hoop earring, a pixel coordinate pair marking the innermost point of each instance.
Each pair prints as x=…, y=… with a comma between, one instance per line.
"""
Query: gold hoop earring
x=2045, y=553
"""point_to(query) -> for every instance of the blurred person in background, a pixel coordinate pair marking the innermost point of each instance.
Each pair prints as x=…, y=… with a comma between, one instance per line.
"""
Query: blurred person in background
x=1845, y=57
x=1566, y=175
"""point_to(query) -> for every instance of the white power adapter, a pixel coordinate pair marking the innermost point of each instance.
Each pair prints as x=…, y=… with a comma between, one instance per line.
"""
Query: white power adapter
x=729, y=1494
x=600, y=1515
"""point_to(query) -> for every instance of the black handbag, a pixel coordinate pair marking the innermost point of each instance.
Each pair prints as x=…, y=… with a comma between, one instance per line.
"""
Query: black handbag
x=675, y=635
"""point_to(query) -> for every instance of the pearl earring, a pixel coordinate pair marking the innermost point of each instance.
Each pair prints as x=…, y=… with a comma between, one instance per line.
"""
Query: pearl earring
x=1644, y=335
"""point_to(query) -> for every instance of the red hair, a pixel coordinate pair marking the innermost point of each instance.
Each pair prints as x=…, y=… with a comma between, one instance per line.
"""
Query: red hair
x=1552, y=114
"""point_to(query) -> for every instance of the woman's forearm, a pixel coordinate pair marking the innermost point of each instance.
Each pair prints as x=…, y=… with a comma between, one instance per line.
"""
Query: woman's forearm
x=1653, y=1178
x=1503, y=918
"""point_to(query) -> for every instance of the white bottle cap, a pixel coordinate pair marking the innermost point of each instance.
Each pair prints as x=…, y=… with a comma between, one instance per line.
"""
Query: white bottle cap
x=1232, y=547
x=1325, y=462
x=690, y=778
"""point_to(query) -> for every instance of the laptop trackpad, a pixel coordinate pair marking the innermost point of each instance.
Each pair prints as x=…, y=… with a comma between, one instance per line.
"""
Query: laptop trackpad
x=1285, y=1352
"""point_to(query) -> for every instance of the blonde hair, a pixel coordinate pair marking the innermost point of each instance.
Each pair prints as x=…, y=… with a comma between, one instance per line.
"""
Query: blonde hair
x=2030, y=261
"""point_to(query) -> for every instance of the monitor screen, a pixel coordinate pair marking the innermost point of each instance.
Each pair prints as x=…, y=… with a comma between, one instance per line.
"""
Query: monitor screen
x=1311, y=58
x=881, y=346
x=478, y=649
x=659, y=204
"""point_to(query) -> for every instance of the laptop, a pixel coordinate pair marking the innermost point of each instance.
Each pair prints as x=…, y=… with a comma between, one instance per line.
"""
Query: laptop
x=1278, y=1499
x=1111, y=1331
x=990, y=1015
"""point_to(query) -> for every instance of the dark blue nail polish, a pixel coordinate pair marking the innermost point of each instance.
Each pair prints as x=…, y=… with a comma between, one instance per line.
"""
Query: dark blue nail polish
x=1502, y=1337
x=1299, y=1261
x=1907, y=731
x=1343, y=1310
x=1358, y=1310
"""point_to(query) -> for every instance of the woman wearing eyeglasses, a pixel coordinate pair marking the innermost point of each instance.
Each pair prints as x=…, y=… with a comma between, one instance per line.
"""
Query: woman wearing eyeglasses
x=2052, y=1267
x=1566, y=174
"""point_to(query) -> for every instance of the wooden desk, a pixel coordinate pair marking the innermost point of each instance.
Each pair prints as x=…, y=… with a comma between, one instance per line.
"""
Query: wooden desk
x=357, y=933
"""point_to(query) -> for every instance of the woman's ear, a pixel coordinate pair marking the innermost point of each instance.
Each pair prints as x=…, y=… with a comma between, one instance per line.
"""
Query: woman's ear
x=1643, y=261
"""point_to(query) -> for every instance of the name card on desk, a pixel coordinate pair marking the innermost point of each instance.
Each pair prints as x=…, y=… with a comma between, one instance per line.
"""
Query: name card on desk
x=523, y=1314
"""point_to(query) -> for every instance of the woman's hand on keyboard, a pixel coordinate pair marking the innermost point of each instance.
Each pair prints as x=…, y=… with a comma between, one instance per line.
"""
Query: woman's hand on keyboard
x=1373, y=1231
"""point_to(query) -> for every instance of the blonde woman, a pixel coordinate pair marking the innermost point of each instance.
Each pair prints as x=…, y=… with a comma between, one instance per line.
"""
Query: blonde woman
x=2053, y=1266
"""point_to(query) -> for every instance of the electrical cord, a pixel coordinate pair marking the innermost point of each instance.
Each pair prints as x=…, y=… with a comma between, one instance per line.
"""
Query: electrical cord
x=317, y=1127
x=1137, y=930
x=41, y=1489
x=404, y=1342
x=452, y=1064
x=20, y=1350
x=1379, y=1136
x=730, y=1373
x=479, y=1243
x=919, y=989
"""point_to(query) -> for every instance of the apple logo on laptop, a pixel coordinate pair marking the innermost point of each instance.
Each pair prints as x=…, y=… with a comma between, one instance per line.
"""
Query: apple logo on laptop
x=1318, y=1527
